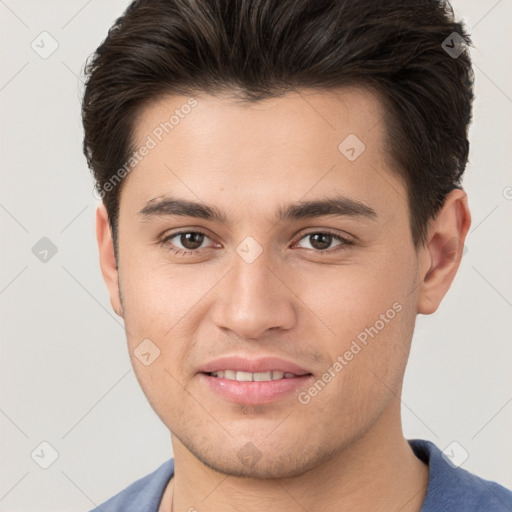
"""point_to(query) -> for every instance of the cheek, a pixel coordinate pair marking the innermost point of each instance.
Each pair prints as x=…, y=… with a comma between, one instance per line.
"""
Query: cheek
x=350, y=298
x=366, y=371
x=165, y=305
x=156, y=298
x=370, y=311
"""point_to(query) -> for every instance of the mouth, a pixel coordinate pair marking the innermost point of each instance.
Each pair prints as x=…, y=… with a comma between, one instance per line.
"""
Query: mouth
x=253, y=381
x=253, y=377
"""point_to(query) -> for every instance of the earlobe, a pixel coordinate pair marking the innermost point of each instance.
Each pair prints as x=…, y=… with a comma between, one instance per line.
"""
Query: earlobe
x=108, y=263
x=443, y=251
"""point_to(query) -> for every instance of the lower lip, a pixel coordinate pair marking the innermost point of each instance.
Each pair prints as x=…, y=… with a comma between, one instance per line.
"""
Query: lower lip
x=253, y=393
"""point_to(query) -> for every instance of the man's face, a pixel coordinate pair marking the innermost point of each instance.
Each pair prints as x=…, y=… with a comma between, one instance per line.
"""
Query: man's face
x=257, y=286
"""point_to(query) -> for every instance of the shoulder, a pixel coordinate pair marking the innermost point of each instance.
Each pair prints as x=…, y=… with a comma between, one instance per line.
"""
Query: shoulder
x=454, y=488
x=144, y=495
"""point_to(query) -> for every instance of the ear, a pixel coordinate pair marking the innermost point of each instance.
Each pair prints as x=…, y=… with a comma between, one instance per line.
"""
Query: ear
x=107, y=259
x=442, y=253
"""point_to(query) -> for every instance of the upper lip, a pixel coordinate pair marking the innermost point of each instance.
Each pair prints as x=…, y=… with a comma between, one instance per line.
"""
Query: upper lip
x=261, y=364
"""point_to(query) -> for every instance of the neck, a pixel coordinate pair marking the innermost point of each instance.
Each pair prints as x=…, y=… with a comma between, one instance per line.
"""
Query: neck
x=378, y=471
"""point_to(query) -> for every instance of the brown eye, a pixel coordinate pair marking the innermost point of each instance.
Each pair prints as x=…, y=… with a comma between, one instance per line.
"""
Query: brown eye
x=185, y=242
x=322, y=241
x=191, y=240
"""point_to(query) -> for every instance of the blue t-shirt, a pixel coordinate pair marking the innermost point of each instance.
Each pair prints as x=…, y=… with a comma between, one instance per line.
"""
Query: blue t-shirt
x=450, y=489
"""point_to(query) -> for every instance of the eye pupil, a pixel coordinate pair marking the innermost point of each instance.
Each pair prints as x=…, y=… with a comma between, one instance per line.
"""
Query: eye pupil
x=320, y=240
x=191, y=240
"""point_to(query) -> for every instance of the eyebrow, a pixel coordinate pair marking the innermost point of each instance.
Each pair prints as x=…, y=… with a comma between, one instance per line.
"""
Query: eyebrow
x=336, y=206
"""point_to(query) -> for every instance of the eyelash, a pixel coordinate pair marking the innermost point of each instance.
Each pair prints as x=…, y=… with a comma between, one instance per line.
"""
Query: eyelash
x=182, y=252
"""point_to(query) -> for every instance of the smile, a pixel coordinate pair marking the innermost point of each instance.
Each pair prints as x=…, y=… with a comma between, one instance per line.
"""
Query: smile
x=252, y=377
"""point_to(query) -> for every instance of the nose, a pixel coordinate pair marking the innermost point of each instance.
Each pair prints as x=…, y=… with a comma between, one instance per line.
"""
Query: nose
x=254, y=298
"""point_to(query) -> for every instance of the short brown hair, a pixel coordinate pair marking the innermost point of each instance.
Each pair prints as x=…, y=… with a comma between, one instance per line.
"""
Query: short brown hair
x=265, y=48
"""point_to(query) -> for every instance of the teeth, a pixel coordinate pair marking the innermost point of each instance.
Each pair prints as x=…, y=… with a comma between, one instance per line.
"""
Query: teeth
x=259, y=376
x=249, y=377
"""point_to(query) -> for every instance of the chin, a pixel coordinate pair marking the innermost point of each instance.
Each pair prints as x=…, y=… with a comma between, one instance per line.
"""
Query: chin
x=249, y=461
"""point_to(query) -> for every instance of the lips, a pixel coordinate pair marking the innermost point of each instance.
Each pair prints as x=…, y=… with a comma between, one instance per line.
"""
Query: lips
x=260, y=365
x=253, y=381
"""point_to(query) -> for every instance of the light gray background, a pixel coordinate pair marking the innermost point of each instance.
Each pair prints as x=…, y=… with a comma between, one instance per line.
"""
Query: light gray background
x=65, y=374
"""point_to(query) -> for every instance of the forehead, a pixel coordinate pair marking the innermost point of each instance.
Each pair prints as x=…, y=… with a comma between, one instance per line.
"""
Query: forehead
x=300, y=143
x=299, y=115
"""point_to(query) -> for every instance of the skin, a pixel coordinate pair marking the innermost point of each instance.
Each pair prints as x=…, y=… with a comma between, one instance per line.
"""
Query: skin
x=336, y=452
